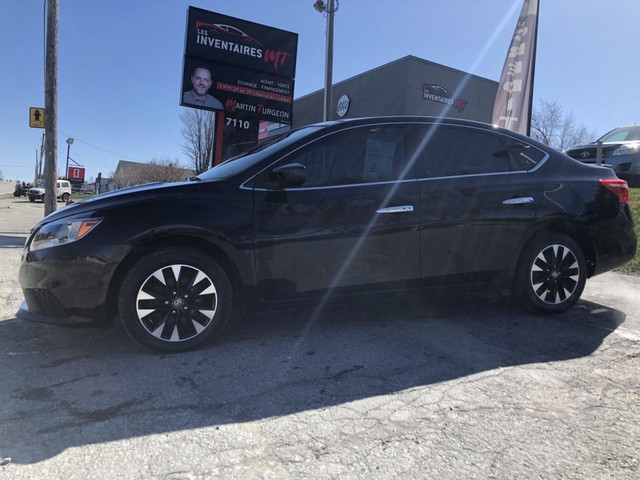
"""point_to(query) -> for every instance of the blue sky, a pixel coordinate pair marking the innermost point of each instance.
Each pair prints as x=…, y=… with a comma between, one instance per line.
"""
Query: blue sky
x=120, y=63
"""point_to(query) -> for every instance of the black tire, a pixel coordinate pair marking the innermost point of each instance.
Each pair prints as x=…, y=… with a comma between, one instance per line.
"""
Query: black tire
x=175, y=299
x=32, y=198
x=65, y=197
x=551, y=273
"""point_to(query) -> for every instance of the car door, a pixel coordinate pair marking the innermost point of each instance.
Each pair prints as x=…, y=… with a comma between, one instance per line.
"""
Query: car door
x=476, y=201
x=352, y=222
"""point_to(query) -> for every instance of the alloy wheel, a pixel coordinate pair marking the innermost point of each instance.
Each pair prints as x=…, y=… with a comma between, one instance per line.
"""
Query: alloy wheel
x=176, y=303
x=555, y=274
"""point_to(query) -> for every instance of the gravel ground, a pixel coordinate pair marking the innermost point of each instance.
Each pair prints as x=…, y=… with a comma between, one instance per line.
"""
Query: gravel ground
x=403, y=387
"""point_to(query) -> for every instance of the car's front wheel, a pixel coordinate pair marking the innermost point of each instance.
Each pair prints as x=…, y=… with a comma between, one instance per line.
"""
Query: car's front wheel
x=32, y=198
x=551, y=274
x=174, y=300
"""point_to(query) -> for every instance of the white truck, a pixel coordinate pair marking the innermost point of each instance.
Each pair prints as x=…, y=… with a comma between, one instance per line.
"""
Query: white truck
x=63, y=191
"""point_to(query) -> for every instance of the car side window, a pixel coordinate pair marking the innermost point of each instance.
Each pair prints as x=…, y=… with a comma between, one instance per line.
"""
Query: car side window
x=454, y=151
x=524, y=155
x=358, y=155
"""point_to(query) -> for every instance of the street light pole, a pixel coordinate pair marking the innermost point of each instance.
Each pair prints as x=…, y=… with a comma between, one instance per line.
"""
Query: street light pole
x=328, y=80
x=329, y=9
x=66, y=170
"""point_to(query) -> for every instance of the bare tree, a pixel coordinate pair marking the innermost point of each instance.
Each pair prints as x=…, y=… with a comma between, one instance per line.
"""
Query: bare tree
x=167, y=170
x=198, y=133
x=551, y=126
x=129, y=174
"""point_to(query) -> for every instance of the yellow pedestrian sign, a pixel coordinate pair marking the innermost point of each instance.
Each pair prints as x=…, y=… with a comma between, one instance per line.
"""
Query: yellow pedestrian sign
x=36, y=117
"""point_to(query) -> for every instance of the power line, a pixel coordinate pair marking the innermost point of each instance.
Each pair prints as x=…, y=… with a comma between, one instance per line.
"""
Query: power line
x=123, y=157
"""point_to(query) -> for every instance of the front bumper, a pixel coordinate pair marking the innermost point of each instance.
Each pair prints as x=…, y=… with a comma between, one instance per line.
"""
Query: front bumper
x=25, y=314
x=64, y=285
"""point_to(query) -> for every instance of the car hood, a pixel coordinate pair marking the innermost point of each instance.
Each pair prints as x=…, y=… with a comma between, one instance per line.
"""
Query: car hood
x=117, y=198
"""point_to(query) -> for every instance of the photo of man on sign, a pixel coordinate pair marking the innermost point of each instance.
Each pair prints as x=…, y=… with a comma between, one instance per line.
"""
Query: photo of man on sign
x=201, y=81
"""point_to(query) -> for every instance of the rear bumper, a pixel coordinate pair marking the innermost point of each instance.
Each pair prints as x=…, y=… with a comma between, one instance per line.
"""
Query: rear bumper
x=617, y=244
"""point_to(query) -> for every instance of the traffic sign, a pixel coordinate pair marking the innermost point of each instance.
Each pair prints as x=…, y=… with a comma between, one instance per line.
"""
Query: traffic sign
x=36, y=117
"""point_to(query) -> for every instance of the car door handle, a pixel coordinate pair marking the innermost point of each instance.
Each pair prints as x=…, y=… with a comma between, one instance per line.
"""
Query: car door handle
x=398, y=209
x=518, y=201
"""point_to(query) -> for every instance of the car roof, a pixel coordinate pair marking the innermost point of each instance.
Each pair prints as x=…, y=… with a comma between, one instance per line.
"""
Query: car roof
x=424, y=119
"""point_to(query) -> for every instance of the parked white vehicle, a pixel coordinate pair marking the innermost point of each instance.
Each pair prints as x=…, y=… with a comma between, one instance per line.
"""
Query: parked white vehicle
x=63, y=191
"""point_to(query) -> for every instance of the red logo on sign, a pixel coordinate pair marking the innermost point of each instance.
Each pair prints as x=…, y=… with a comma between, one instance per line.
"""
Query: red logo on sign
x=76, y=173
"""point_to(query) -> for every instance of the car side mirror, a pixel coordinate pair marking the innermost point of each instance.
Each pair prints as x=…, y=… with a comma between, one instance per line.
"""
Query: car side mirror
x=290, y=175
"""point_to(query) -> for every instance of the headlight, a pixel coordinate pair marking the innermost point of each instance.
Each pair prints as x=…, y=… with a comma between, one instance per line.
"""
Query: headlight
x=628, y=149
x=62, y=232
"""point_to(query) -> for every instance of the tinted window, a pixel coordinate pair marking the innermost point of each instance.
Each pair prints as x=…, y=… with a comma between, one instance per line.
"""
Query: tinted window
x=525, y=155
x=256, y=154
x=358, y=155
x=453, y=151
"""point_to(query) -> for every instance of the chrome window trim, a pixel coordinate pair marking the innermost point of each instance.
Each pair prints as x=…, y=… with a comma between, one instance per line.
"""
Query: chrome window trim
x=490, y=174
x=413, y=123
x=326, y=187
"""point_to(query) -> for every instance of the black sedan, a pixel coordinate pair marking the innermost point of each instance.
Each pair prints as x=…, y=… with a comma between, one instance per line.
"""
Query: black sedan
x=334, y=208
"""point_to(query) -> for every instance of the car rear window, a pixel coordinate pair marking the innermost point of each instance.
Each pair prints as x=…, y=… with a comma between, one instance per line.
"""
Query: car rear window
x=454, y=151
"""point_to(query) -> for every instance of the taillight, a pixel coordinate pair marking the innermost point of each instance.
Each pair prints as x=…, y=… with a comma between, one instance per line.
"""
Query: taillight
x=617, y=186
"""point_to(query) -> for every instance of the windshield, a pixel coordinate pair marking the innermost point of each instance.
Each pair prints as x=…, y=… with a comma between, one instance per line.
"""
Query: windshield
x=246, y=159
x=622, y=134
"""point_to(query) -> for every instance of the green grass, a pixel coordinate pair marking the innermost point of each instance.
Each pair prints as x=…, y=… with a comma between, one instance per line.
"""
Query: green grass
x=633, y=267
x=82, y=197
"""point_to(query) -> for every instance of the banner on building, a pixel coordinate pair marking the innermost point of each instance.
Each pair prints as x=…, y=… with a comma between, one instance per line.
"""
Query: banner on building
x=512, y=107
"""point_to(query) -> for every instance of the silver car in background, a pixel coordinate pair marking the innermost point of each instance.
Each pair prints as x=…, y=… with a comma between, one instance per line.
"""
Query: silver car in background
x=620, y=150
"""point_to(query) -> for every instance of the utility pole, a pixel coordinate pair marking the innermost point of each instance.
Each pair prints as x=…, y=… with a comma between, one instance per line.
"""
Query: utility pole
x=51, y=108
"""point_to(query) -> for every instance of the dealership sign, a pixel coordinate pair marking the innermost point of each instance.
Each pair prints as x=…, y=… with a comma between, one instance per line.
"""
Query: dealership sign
x=233, y=41
x=437, y=93
x=76, y=173
x=238, y=66
x=343, y=105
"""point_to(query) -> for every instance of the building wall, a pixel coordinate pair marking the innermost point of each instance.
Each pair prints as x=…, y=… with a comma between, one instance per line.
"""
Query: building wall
x=397, y=89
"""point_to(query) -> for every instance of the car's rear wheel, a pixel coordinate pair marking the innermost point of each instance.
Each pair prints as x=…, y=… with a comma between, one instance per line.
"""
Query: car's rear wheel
x=65, y=197
x=174, y=300
x=551, y=274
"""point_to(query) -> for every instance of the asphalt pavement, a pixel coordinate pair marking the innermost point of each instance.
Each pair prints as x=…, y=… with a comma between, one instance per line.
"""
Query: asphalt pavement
x=406, y=386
